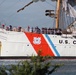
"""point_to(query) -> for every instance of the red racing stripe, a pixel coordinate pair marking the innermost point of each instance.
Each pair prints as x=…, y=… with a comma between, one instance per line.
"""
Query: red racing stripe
x=39, y=43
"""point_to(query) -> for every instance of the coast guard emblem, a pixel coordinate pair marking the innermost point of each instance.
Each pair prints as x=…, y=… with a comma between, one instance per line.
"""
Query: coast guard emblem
x=37, y=40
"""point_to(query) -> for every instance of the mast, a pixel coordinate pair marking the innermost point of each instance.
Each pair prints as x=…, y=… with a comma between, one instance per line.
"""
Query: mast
x=57, y=13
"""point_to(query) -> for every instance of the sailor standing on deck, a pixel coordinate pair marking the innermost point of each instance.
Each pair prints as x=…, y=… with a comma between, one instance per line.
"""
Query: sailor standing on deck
x=3, y=26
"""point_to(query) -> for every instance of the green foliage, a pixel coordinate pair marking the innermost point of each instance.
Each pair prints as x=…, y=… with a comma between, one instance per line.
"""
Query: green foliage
x=3, y=70
x=37, y=65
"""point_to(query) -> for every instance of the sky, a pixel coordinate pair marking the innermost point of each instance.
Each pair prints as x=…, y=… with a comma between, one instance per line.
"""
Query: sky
x=33, y=15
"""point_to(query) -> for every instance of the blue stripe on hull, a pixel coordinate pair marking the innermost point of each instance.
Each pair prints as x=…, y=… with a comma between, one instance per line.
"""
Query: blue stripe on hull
x=51, y=43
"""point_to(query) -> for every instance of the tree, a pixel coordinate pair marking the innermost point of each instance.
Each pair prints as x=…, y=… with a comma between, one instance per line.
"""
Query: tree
x=37, y=65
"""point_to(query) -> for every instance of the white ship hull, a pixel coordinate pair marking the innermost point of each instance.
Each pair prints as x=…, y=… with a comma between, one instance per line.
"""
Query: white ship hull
x=28, y=44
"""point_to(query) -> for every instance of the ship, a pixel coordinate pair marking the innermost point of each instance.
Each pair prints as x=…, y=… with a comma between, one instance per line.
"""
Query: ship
x=56, y=42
